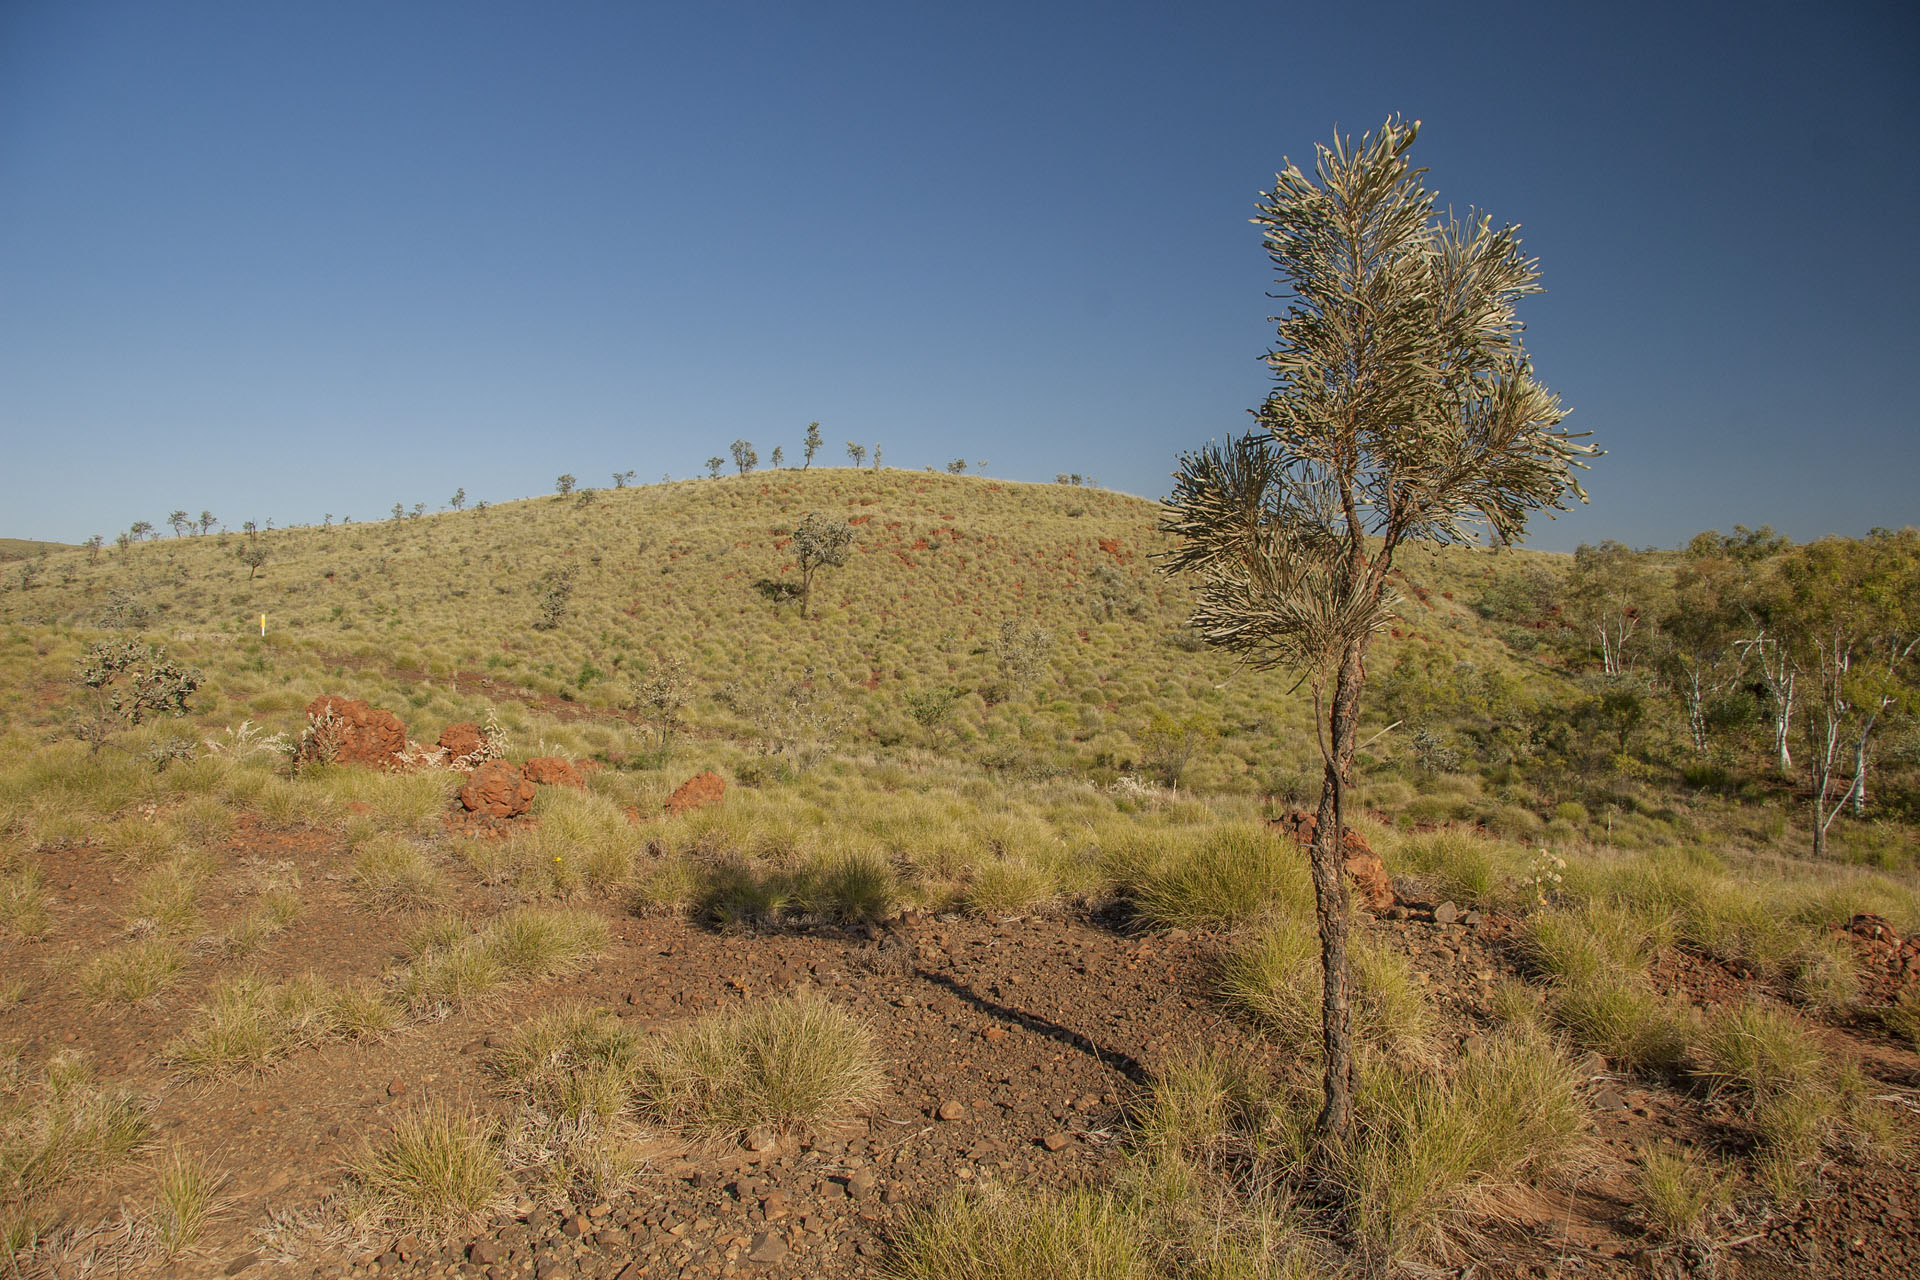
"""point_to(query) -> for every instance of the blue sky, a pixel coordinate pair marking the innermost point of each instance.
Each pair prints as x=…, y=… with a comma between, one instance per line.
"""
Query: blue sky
x=284, y=260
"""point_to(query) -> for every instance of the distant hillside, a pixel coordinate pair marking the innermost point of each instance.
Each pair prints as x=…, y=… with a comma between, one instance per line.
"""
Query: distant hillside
x=25, y=549
x=905, y=643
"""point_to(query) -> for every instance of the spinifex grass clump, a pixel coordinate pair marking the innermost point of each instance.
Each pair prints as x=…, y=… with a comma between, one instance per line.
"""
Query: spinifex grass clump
x=1276, y=979
x=777, y=1063
x=571, y=1063
x=391, y=873
x=438, y=1170
x=23, y=898
x=455, y=963
x=573, y=1072
x=1594, y=958
x=1678, y=1193
x=249, y=1024
x=135, y=971
x=1232, y=876
x=1432, y=1147
x=186, y=1198
x=56, y=1126
x=996, y=1235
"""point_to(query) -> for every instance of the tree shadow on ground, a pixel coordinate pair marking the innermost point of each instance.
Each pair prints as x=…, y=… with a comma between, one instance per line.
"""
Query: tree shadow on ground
x=1126, y=1064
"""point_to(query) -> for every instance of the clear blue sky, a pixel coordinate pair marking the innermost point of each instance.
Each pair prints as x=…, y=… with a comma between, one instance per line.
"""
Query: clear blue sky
x=278, y=260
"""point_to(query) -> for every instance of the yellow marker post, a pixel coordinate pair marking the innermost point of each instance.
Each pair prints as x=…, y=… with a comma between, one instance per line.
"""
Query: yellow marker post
x=263, y=625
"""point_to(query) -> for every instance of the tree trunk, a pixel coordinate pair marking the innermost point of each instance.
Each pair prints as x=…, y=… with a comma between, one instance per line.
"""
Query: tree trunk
x=1696, y=711
x=1859, y=788
x=1334, y=1129
x=1782, y=718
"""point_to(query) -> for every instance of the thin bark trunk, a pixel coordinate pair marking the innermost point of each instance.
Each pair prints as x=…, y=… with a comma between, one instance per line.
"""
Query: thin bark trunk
x=1782, y=719
x=1859, y=789
x=1338, y=1079
x=1696, y=711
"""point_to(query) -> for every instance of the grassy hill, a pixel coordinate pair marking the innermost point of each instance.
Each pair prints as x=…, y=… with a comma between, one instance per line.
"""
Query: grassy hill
x=27, y=549
x=668, y=573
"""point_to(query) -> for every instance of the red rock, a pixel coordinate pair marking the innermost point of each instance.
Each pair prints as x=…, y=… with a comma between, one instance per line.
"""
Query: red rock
x=1364, y=868
x=555, y=771
x=697, y=792
x=356, y=734
x=498, y=790
x=460, y=742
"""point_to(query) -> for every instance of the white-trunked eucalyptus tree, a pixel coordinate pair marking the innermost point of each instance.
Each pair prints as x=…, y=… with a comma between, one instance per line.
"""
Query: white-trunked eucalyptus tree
x=1404, y=407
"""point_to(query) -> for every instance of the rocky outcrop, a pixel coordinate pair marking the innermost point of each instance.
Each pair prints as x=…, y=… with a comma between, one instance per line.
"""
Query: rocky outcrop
x=461, y=742
x=697, y=792
x=1364, y=868
x=498, y=790
x=553, y=771
x=349, y=731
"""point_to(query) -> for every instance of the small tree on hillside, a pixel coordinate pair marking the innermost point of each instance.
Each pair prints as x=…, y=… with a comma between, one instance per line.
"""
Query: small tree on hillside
x=563, y=485
x=876, y=457
x=1404, y=406
x=556, y=592
x=660, y=696
x=459, y=499
x=713, y=467
x=181, y=522
x=819, y=542
x=140, y=529
x=779, y=456
x=206, y=523
x=957, y=467
x=812, y=444
x=621, y=479
x=858, y=452
x=252, y=555
x=745, y=457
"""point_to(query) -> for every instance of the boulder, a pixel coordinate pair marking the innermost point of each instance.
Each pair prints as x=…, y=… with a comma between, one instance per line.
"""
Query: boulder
x=460, y=742
x=697, y=792
x=349, y=731
x=1364, y=868
x=555, y=771
x=498, y=790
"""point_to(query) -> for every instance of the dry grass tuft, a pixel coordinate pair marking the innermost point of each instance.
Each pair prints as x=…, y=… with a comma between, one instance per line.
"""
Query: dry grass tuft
x=438, y=1170
x=133, y=972
x=186, y=1199
x=778, y=1063
x=391, y=873
x=1678, y=1193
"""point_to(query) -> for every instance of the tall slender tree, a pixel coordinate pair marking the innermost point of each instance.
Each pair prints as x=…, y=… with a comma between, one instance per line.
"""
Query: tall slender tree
x=812, y=444
x=1404, y=406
